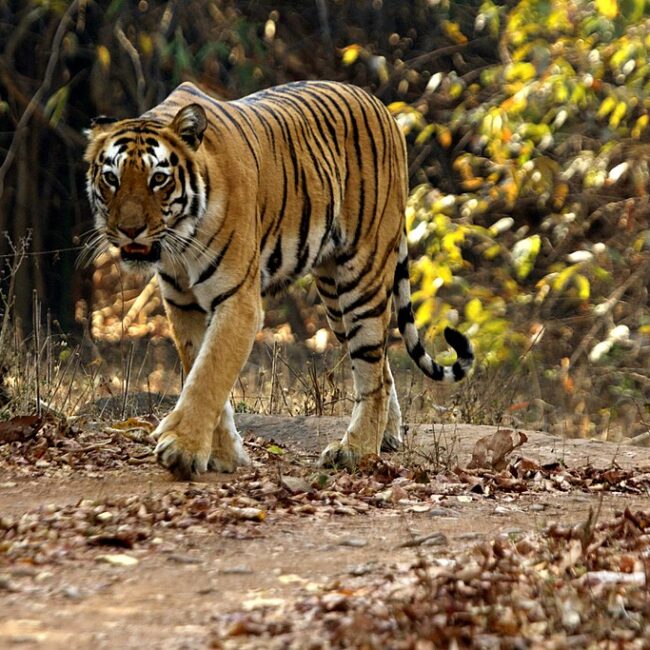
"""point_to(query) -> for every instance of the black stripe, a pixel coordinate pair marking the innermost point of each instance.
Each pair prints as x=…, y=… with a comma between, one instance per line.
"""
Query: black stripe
x=373, y=312
x=333, y=313
x=218, y=299
x=354, y=331
x=192, y=176
x=302, y=250
x=363, y=103
x=194, y=206
x=417, y=352
x=170, y=280
x=206, y=182
x=217, y=109
x=265, y=125
x=321, y=106
x=191, y=306
x=351, y=248
x=325, y=293
x=363, y=299
x=401, y=273
x=275, y=261
x=404, y=317
x=136, y=129
x=216, y=261
x=345, y=287
x=369, y=353
x=301, y=104
x=181, y=217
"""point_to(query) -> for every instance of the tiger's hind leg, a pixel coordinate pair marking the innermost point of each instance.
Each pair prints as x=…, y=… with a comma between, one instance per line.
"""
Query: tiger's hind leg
x=392, y=439
x=326, y=285
x=364, y=298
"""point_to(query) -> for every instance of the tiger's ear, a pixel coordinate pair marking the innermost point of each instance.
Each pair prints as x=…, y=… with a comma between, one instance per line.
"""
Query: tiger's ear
x=98, y=125
x=102, y=120
x=96, y=135
x=190, y=123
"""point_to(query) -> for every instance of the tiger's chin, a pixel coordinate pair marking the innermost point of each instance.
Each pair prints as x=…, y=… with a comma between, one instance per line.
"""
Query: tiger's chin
x=140, y=257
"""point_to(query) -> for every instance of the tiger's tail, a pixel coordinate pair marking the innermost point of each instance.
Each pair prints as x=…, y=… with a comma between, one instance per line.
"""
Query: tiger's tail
x=406, y=324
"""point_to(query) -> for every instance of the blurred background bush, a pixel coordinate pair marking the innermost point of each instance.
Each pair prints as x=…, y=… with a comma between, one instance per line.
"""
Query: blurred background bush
x=527, y=125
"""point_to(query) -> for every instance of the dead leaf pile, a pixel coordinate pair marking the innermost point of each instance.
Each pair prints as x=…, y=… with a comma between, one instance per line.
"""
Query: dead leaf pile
x=278, y=484
x=32, y=446
x=525, y=475
x=565, y=588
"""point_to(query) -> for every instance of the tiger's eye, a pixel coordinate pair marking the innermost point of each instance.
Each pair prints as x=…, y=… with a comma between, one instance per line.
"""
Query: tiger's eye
x=158, y=178
x=111, y=178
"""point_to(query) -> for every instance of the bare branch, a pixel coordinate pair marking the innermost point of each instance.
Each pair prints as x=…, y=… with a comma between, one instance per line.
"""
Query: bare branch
x=134, y=55
x=21, y=127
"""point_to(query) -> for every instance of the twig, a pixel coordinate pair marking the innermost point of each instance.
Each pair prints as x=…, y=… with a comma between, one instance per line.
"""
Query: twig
x=36, y=324
x=21, y=127
x=137, y=65
x=139, y=303
x=444, y=51
x=127, y=380
x=323, y=18
x=609, y=304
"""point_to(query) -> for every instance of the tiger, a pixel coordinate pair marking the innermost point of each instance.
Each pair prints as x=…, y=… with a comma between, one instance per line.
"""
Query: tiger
x=228, y=201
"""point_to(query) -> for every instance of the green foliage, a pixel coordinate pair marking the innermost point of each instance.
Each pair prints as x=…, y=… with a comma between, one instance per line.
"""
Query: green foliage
x=545, y=213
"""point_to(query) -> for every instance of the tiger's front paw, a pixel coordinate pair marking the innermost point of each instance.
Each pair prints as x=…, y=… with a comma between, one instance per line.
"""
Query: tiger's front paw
x=228, y=452
x=340, y=456
x=183, y=447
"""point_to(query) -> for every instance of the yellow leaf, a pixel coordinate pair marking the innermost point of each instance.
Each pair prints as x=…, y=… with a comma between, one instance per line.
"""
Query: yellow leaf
x=424, y=313
x=608, y=8
x=444, y=137
x=104, y=57
x=607, y=106
x=146, y=44
x=350, y=54
x=560, y=281
x=452, y=30
x=396, y=107
x=474, y=311
x=618, y=114
x=639, y=126
x=519, y=71
x=425, y=134
x=584, y=288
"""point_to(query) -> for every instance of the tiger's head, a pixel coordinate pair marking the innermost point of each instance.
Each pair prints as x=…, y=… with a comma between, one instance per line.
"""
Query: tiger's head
x=143, y=184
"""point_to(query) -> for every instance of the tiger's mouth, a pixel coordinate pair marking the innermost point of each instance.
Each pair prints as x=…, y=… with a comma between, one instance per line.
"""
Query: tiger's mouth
x=140, y=252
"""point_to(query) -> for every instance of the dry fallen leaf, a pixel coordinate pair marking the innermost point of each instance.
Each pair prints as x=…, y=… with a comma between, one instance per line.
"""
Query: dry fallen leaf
x=118, y=559
x=501, y=444
x=20, y=428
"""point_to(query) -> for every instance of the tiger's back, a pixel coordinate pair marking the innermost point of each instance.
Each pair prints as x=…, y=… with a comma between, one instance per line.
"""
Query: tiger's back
x=229, y=200
x=326, y=158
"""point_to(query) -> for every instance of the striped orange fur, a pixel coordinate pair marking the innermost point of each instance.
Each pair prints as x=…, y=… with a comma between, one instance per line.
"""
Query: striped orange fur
x=227, y=201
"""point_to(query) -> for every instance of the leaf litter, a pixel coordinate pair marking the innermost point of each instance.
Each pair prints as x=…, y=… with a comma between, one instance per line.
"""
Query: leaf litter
x=573, y=587
x=562, y=586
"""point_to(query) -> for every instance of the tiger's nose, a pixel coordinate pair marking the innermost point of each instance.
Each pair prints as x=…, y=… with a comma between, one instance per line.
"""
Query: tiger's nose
x=133, y=231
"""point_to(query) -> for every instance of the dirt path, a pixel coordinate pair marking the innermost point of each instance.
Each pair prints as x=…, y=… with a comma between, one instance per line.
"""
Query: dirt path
x=187, y=576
